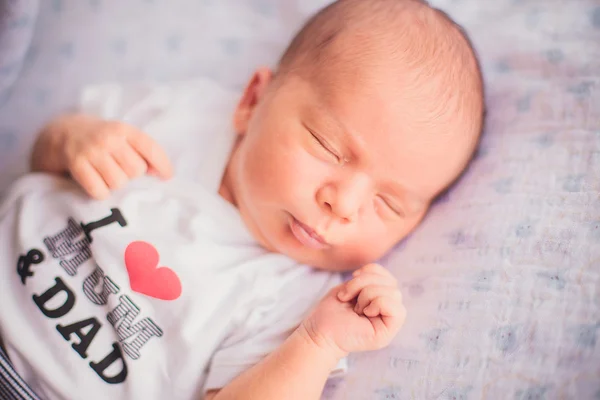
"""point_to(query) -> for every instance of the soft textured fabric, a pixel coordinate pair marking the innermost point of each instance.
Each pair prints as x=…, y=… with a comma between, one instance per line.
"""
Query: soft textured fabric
x=501, y=282
x=17, y=24
x=12, y=385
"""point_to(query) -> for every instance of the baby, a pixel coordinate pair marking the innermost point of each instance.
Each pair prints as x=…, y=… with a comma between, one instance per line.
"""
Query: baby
x=227, y=286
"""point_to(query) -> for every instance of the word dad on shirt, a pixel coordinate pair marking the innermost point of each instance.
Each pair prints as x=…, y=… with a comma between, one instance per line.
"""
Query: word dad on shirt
x=72, y=247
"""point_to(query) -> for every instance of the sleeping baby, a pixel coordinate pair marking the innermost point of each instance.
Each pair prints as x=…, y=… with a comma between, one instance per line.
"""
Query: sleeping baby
x=135, y=272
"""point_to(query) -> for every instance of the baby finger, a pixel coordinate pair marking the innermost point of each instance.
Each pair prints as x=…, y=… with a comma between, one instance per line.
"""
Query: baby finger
x=370, y=293
x=130, y=161
x=386, y=306
x=352, y=288
x=110, y=171
x=375, y=269
x=89, y=179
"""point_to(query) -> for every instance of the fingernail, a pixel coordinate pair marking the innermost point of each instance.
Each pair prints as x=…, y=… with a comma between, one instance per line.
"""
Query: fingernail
x=342, y=294
x=356, y=273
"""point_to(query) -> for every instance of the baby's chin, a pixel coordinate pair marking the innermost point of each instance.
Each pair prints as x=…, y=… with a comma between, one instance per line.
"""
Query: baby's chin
x=333, y=259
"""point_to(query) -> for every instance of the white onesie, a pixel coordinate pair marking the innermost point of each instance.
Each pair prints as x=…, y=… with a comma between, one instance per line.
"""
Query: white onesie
x=158, y=292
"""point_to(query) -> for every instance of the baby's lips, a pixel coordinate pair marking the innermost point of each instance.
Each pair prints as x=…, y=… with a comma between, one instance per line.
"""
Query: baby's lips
x=327, y=236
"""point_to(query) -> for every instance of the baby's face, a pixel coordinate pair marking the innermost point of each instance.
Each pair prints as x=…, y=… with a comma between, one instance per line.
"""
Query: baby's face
x=334, y=174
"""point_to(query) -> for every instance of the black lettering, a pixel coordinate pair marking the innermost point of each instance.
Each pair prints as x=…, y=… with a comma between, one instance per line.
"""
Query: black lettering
x=106, y=287
x=24, y=263
x=115, y=216
x=60, y=311
x=121, y=319
x=101, y=366
x=85, y=338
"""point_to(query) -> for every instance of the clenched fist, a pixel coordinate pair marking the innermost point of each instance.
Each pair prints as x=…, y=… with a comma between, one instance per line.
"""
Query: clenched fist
x=100, y=155
x=362, y=314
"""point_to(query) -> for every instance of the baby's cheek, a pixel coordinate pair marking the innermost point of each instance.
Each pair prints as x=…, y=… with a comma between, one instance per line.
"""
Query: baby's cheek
x=269, y=172
x=293, y=170
x=368, y=248
x=369, y=254
x=355, y=255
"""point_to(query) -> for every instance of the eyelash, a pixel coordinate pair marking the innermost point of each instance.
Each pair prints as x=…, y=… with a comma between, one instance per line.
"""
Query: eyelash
x=395, y=210
x=325, y=146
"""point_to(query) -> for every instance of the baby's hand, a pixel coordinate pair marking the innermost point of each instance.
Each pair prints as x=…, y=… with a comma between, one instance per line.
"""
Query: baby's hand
x=100, y=155
x=362, y=314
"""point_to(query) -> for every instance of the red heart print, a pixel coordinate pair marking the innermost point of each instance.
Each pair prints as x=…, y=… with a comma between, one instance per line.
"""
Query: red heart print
x=146, y=277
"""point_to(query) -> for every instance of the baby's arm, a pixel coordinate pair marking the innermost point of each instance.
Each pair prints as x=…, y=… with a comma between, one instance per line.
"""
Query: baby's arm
x=100, y=155
x=298, y=369
x=365, y=313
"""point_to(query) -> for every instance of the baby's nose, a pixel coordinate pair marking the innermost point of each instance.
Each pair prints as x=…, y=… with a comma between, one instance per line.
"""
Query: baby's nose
x=346, y=199
x=342, y=211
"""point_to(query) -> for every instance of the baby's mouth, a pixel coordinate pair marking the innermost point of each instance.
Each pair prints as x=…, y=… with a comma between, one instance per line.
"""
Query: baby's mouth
x=306, y=235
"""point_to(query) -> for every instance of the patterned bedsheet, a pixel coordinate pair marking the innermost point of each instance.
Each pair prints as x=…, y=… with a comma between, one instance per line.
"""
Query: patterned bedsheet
x=502, y=281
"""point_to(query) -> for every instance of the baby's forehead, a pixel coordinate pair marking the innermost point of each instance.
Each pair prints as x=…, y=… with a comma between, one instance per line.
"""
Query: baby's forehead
x=377, y=112
x=387, y=95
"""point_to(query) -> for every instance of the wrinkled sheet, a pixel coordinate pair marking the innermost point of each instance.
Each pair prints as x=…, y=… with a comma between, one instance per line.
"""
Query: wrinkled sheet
x=502, y=281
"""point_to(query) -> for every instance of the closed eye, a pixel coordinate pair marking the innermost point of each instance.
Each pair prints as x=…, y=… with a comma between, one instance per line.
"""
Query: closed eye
x=325, y=146
x=392, y=206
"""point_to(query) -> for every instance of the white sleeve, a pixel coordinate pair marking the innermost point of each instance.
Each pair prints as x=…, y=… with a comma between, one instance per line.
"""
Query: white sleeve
x=190, y=120
x=138, y=103
x=111, y=101
x=268, y=324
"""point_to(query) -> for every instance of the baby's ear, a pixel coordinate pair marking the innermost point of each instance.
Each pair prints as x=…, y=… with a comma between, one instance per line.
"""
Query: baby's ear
x=255, y=90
